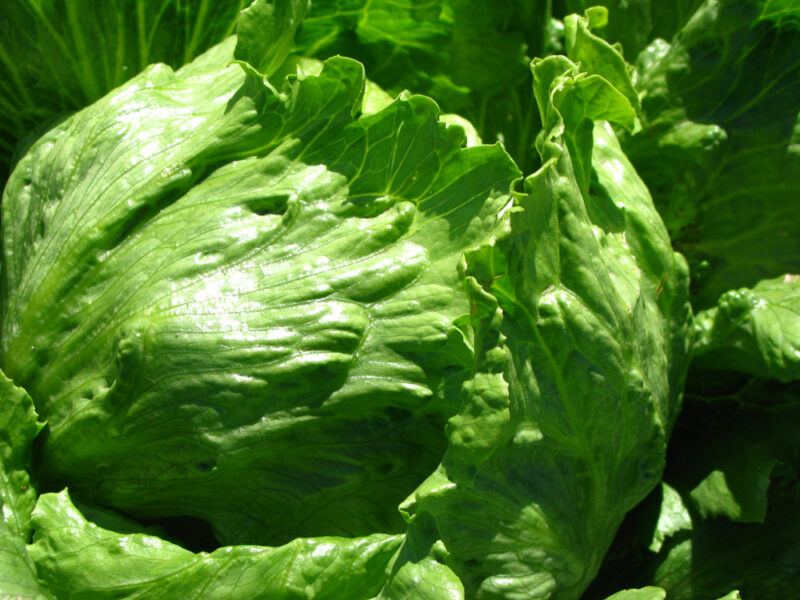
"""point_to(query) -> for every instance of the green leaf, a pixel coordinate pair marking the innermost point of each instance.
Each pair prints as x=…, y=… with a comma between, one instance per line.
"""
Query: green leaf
x=746, y=442
x=634, y=23
x=18, y=428
x=719, y=147
x=781, y=11
x=756, y=331
x=721, y=493
x=420, y=571
x=245, y=308
x=58, y=56
x=598, y=57
x=570, y=112
x=708, y=539
x=758, y=560
x=477, y=43
x=265, y=32
x=673, y=517
x=581, y=328
x=471, y=56
x=78, y=559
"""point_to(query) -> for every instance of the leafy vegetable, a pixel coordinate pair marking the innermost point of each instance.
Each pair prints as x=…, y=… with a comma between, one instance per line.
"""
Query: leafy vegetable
x=567, y=417
x=306, y=259
x=292, y=331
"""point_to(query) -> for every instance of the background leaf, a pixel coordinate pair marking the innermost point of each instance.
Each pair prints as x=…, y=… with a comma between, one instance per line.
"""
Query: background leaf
x=719, y=146
x=57, y=56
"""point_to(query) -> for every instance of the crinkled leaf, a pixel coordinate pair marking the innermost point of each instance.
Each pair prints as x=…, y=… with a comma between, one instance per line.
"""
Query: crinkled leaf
x=18, y=428
x=719, y=149
x=570, y=113
x=756, y=331
x=471, y=56
x=596, y=56
x=242, y=304
x=581, y=340
x=708, y=550
x=634, y=23
x=477, y=44
x=78, y=559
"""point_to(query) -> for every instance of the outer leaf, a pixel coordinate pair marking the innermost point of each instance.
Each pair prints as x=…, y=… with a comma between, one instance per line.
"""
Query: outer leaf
x=77, y=559
x=471, y=56
x=477, y=43
x=598, y=57
x=719, y=148
x=245, y=307
x=18, y=428
x=61, y=55
x=420, y=571
x=581, y=321
x=571, y=112
x=756, y=331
